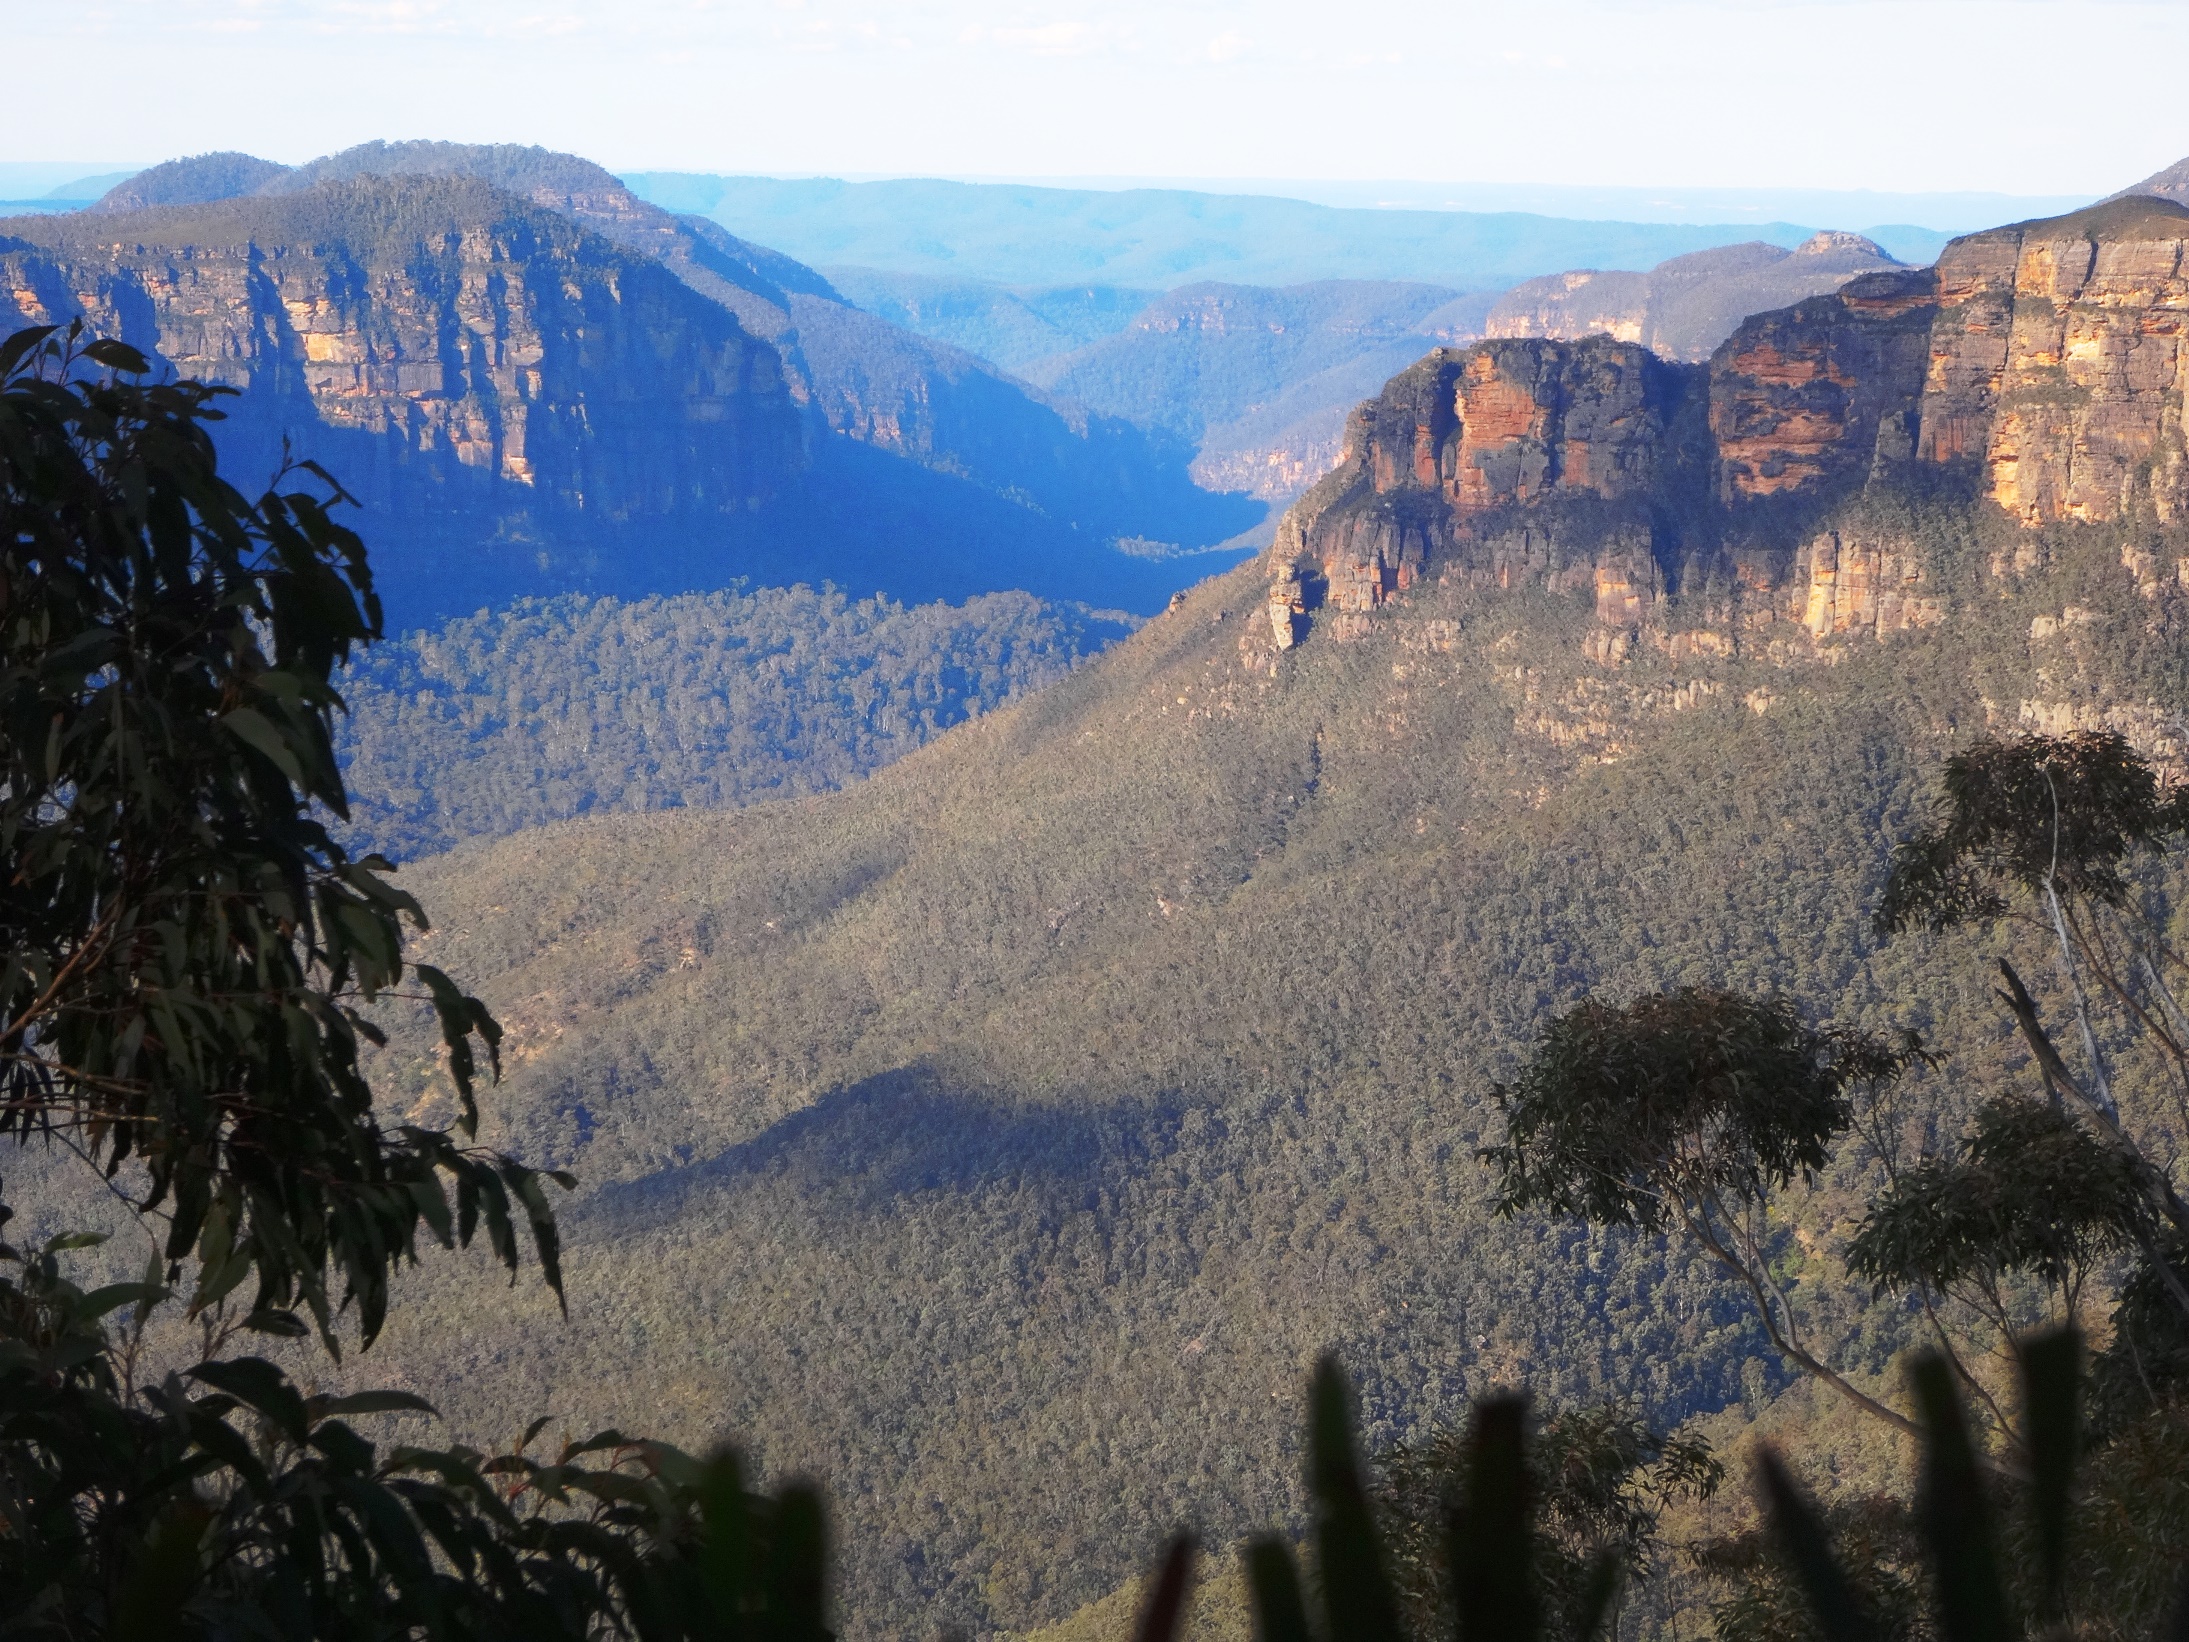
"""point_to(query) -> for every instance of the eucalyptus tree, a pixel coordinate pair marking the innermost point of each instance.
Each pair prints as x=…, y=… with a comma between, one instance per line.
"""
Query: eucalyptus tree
x=1695, y=1112
x=191, y=963
x=2047, y=832
x=1691, y=1113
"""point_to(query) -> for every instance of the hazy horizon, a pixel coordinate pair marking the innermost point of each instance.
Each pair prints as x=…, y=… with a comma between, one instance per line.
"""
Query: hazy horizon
x=1915, y=97
x=1949, y=211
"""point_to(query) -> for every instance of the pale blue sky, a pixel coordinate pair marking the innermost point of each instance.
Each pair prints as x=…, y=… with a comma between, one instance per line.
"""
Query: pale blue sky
x=2043, y=96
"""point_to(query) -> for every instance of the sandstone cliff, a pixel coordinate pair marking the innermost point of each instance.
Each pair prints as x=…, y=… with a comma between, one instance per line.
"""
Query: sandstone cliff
x=1823, y=390
x=442, y=344
x=856, y=375
x=1505, y=461
x=2043, y=364
x=2058, y=361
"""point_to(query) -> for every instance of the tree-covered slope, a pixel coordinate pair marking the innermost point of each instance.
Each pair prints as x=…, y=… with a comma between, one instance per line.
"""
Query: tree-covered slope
x=1000, y=1138
x=1006, y=326
x=573, y=706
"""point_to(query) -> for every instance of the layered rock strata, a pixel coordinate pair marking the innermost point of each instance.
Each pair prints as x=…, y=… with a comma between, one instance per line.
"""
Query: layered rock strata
x=854, y=374
x=1822, y=390
x=2049, y=359
x=2059, y=360
x=1452, y=462
x=436, y=339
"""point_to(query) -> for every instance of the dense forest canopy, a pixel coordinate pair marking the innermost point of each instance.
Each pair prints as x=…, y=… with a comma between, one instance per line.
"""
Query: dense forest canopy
x=555, y=708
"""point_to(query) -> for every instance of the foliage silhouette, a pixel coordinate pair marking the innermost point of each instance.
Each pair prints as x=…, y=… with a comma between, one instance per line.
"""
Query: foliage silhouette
x=1688, y=1110
x=190, y=958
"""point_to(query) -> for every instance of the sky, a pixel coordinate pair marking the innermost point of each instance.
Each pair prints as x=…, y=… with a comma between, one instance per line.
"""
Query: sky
x=2021, y=97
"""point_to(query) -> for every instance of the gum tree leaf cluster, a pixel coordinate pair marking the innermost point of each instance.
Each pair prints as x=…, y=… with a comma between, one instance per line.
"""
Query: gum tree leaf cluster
x=189, y=958
x=1677, y=1104
x=188, y=950
x=2017, y=816
x=2030, y=1190
x=1686, y=1111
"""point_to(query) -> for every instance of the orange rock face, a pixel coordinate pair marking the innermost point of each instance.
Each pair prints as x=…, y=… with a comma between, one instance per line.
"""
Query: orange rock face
x=1433, y=466
x=2052, y=357
x=1538, y=418
x=2059, y=360
x=1803, y=394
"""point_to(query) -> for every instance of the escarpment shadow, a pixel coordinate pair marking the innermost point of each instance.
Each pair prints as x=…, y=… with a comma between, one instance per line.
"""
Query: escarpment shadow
x=908, y=1133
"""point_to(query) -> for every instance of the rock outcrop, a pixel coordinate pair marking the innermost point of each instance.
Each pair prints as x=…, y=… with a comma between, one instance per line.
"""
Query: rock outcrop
x=1822, y=390
x=2059, y=359
x=1488, y=460
x=2049, y=359
x=1682, y=309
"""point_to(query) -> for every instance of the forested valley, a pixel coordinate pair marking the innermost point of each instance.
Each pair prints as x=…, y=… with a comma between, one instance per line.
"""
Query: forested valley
x=1587, y=1046
x=555, y=708
x=1051, y=1099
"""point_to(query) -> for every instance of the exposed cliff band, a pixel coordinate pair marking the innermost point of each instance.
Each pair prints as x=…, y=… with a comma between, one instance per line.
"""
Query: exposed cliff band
x=465, y=342
x=2049, y=359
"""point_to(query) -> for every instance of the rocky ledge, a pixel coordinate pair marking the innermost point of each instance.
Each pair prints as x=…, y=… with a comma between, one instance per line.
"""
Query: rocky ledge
x=2047, y=361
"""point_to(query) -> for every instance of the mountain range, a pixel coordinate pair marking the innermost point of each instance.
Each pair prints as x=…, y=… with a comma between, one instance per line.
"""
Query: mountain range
x=1018, y=234
x=482, y=341
x=552, y=385
x=1000, y=1138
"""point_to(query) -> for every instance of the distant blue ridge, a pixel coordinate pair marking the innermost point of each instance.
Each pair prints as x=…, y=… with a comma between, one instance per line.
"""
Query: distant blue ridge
x=1020, y=234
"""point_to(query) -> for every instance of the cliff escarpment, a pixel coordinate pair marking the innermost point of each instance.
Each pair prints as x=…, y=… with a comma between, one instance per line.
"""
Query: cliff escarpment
x=2042, y=365
x=445, y=348
x=2059, y=360
x=1507, y=461
x=1000, y=459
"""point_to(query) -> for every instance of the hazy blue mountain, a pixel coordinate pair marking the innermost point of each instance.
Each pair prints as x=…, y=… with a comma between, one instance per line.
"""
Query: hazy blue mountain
x=1258, y=379
x=914, y=467
x=1684, y=308
x=1006, y=326
x=1014, y=234
x=1937, y=212
x=1206, y=353
x=48, y=185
